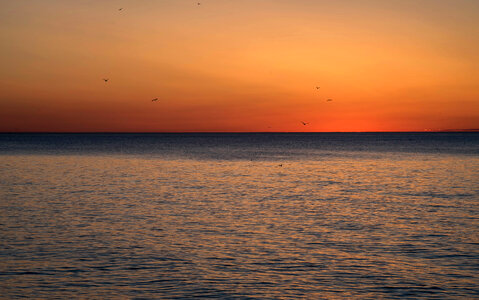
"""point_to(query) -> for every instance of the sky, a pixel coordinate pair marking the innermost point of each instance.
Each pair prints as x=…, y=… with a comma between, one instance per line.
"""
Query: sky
x=238, y=66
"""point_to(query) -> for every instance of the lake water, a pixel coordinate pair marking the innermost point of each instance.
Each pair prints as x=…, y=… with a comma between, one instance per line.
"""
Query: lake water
x=239, y=216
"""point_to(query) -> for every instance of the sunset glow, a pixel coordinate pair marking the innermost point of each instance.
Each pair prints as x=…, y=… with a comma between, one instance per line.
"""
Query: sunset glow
x=235, y=66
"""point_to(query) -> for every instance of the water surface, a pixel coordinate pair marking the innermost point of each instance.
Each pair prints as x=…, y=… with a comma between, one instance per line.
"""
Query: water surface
x=215, y=215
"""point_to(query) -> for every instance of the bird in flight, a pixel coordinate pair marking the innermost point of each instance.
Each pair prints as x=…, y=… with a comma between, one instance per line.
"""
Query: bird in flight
x=318, y=87
x=154, y=100
x=105, y=79
x=198, y=3
x=329, y=100
x=304, y=123
x=121, y=8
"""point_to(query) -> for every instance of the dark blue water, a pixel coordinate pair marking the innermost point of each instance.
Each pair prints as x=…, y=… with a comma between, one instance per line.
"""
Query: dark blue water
x=239, y=145
x=238, y=216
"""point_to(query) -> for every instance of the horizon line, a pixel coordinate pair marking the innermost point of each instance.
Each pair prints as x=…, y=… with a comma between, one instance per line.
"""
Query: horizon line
x=183, y=132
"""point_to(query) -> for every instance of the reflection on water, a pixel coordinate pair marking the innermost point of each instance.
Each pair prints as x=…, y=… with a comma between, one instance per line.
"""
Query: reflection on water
x=350, y=225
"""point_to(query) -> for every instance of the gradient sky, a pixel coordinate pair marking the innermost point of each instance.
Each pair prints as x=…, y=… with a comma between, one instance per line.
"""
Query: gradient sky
x=245, y=65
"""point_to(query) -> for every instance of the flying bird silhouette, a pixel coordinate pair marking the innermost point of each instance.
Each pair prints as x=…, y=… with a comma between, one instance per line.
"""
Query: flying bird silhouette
x=105, y=79
x=153, y=100
x=318, y=87
x=304, y=123
x=329, y=100
x=121, y=8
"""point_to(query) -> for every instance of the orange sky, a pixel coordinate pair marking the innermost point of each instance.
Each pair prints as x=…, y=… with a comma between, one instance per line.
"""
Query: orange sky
x=249, y=65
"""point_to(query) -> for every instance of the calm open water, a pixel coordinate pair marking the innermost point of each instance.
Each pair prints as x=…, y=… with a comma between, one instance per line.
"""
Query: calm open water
x=383, y=215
